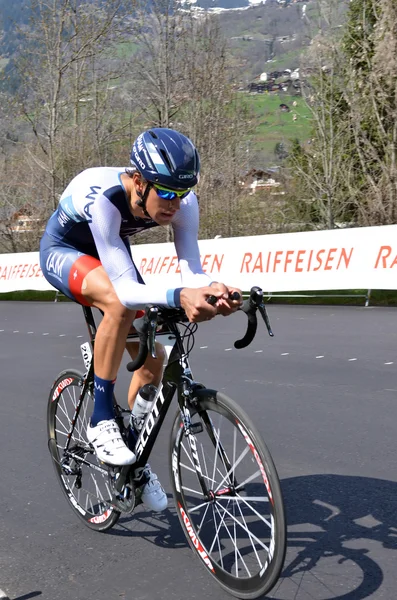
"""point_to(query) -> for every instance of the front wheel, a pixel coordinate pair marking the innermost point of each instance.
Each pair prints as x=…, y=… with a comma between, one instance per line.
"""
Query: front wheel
x=83, y=478
x=228, y=495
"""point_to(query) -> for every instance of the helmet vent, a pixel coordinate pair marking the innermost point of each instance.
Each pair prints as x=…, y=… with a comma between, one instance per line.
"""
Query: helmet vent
x=166, y=160
x=154, y=135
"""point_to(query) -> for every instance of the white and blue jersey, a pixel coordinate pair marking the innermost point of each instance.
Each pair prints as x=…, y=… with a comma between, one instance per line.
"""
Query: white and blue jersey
x=93, y=219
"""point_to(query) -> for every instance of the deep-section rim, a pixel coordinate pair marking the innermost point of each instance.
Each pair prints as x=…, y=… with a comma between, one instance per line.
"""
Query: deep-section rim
x=242, y=587
x=71, y=378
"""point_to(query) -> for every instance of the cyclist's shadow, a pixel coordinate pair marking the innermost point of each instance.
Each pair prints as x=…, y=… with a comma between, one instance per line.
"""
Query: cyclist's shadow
x=162, y=529
x=330, y=520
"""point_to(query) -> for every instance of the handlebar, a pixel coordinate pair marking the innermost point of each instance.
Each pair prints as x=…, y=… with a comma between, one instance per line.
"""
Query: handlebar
x=154, y=316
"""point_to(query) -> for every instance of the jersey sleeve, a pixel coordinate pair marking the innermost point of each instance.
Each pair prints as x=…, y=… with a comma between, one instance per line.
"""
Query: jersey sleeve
x=185, y=225
x=118, y=264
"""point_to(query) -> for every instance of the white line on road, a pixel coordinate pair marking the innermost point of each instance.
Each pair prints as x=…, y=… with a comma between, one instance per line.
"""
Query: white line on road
x=227, y=349
x=202, y=347
x=389, y=363
x=351, y=359
x=321, y=356
x=285, y=354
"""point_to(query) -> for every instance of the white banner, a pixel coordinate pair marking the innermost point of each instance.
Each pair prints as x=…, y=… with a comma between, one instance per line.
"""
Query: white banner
x=362, y=258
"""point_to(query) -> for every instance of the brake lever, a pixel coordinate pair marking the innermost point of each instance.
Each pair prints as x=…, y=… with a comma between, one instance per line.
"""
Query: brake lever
x=262, y=310
x=256, y=300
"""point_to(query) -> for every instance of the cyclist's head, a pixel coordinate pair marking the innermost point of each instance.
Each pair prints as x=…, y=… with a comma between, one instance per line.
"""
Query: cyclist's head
x=166, y=159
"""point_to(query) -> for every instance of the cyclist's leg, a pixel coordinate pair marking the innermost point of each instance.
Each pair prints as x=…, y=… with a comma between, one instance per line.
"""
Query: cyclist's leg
x=151, y=372
x=83, y=279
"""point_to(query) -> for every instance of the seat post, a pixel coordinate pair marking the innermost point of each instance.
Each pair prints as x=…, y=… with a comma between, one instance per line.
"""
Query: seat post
x=90, y=321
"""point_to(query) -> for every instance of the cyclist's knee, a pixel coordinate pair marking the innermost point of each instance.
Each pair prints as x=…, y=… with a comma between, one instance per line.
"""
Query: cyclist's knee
x=117, y=312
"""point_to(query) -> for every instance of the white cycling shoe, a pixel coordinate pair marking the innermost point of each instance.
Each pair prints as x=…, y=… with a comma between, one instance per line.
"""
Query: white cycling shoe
x=153, y=496
x=108, y=444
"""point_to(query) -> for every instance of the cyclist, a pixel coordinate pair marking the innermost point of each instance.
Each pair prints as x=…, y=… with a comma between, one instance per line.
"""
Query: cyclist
x=85, y=253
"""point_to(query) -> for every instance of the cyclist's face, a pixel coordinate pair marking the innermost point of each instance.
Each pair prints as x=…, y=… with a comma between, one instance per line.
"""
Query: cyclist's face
x=161, y=211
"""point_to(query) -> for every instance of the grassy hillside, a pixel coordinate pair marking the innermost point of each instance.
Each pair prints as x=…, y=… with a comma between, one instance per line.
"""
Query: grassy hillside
x=272, y=126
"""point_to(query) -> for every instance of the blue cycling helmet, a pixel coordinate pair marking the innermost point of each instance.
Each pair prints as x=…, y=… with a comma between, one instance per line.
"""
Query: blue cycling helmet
x=166, y=157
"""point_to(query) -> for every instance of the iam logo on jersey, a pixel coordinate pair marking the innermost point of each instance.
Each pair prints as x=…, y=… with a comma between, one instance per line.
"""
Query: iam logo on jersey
x=54, y=264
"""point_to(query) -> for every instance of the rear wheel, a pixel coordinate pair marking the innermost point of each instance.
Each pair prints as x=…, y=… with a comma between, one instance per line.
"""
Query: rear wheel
x=236, y=526
x=84, y=479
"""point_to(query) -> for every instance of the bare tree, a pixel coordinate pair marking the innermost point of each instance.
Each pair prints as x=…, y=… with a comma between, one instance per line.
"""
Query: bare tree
x=215, y=116
x=182, y=78
x=64, y=88
x=21, y=223
x=371, y=93
x=324, y=166
x=157, y=66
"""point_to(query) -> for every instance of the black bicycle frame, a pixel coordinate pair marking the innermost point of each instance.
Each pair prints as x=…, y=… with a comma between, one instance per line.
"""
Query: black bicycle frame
x=177, y=377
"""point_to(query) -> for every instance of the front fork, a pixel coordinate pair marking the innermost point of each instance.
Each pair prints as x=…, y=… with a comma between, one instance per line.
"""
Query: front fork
x=188, y=404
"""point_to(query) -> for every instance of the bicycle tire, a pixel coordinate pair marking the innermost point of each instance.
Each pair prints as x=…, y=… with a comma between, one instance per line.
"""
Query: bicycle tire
x=91, y=501
x=234, y=504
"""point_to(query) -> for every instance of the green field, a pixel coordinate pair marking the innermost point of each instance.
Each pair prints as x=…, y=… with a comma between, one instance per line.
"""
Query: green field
x=271, y=125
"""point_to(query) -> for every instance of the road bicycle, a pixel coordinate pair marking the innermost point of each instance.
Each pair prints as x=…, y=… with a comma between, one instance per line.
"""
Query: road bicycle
x=224, y=483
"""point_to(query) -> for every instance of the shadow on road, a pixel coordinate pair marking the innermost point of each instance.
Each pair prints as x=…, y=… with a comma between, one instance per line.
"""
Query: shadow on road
x=333, y=521
x=162, y=529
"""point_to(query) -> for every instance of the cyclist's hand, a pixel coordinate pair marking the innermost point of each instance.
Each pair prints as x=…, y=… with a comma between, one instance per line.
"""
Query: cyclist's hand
x=225, y=305
x=194, y=302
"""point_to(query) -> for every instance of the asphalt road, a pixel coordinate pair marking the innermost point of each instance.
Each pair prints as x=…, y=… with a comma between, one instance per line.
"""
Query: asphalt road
x=323, y=393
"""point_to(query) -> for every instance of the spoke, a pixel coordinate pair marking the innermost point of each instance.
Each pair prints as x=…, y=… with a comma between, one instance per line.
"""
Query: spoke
x=236, y=550
x=63, y=408
x=250, y=478
x=202, y=520
x=62, y=432
x=206, y=476
x=108, y=490
x=247, y=498
x=250, y=537
x=258, y=541
x=234, y=450
x=188, y=456
x=235, y=546
x=216, y=536
x=216, y=434
x=181, y=464
x=254, y=511
x=97, y=490
x=191, y=510
x=198, y=492
x=195, y=472
x=61, y=424
x=234, y=465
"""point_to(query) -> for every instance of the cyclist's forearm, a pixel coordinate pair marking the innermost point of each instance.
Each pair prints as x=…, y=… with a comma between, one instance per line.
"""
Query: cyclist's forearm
x=134, y=295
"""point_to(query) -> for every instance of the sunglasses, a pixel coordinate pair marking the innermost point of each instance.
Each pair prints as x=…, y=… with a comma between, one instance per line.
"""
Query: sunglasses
x=166, y=194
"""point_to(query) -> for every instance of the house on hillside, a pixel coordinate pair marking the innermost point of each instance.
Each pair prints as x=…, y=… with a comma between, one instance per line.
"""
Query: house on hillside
x=257, y=179
x=26, y=220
